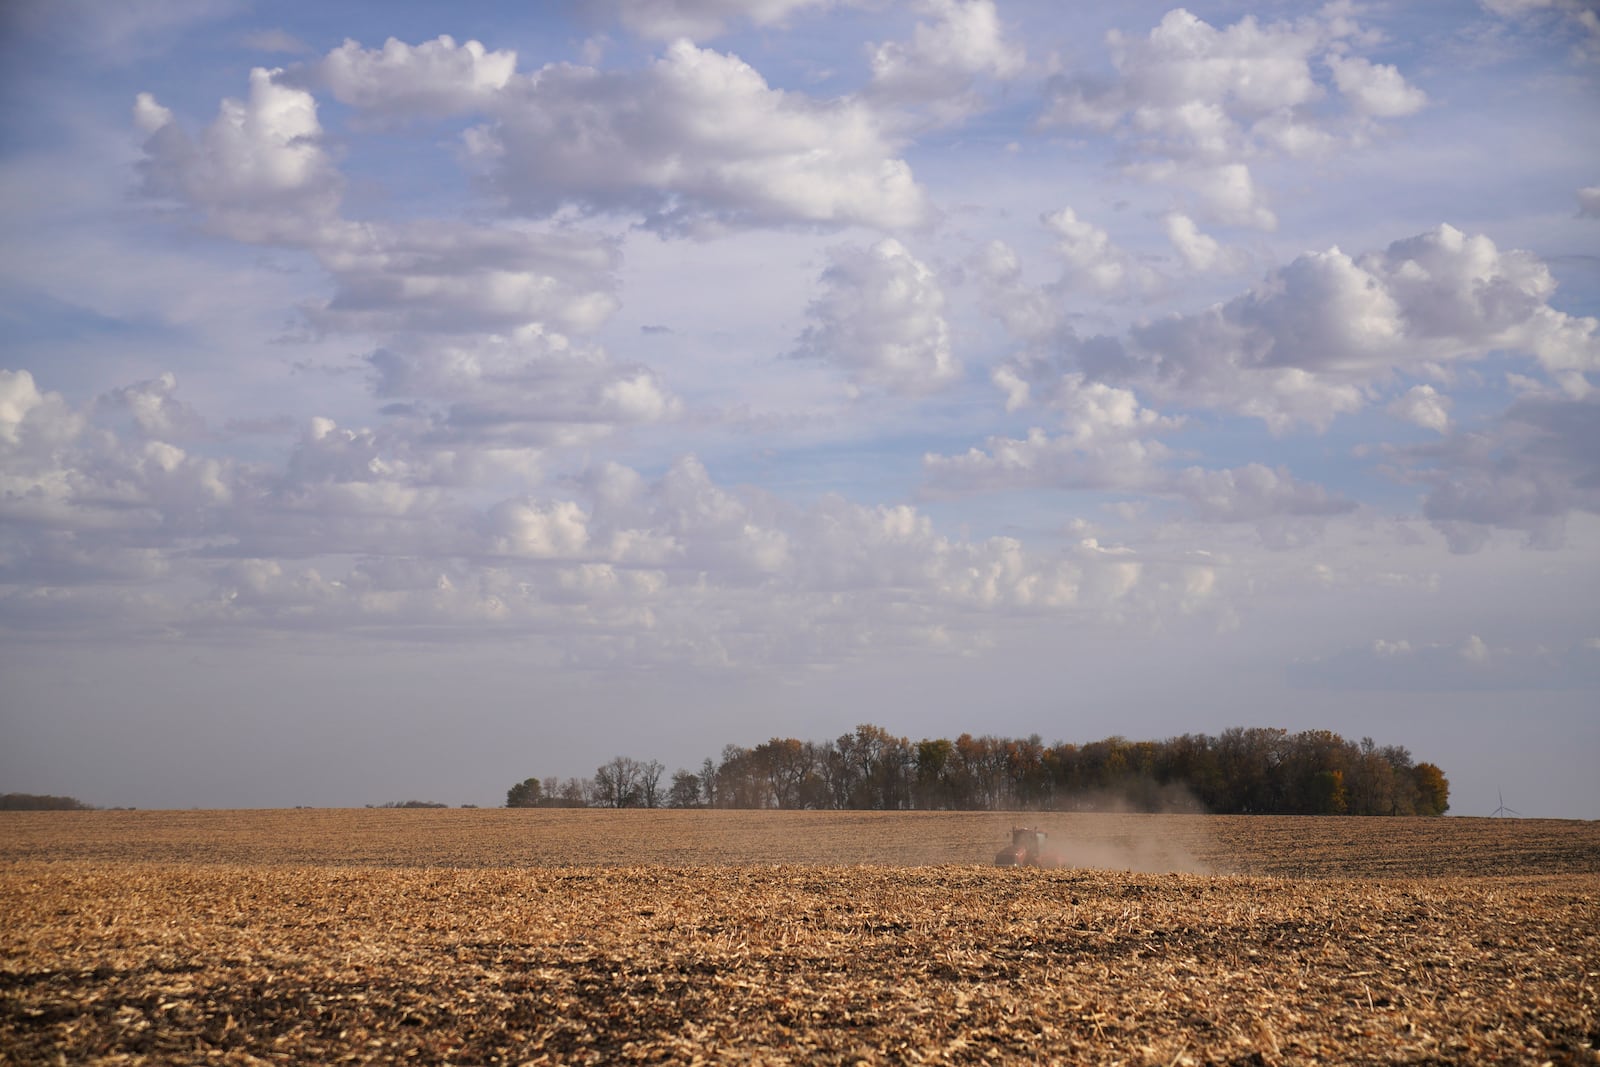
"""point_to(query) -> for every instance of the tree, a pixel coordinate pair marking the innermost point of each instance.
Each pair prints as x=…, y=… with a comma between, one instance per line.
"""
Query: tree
x=617, y=783
x=788, y=768
x=1371, y=781
x=40, y=802
x=1403, y=799
x=1241, y=771
x=575, y=793
x=1433, y=789
x=684, y=791
x=525, y=794
x=972, y=783
x=1248, y=761
x=650, y=783
x=933, y=760
x=740, y=783
x=1327, y=795
x=874, y=769
x=708, y=782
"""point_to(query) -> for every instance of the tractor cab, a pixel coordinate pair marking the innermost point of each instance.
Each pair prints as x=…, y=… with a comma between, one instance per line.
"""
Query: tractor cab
x=1027, y=849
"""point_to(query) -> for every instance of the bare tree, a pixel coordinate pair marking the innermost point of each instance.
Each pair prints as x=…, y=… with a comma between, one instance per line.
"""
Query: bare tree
x=650, y=783
x=617, y=783
x=708, y=782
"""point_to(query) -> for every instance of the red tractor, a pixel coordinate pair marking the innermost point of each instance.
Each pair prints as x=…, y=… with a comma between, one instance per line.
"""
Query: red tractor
x=1028, y=848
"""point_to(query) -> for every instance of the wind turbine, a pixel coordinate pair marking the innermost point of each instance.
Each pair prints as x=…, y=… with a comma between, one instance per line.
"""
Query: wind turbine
x=1502, y=810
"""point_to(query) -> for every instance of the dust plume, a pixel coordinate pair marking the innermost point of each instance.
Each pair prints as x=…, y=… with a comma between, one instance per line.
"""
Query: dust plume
x=1105, y=831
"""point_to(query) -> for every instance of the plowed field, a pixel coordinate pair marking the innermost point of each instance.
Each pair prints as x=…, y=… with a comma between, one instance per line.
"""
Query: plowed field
x=470, y=937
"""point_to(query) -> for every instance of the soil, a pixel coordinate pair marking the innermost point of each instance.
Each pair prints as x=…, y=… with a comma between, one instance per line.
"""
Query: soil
x=635, y=937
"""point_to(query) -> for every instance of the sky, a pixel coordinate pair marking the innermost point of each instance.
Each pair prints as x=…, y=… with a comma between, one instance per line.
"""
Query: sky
x=401, y=400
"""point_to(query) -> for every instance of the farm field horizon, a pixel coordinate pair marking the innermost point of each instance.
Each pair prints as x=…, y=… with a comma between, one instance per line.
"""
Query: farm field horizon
x=1279, y=845
x=550, y=936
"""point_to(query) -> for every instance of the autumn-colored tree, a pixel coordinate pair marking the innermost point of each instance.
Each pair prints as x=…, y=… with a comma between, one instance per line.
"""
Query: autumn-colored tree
x=1433, y=790
x=1242, y=771
x=1327, y=795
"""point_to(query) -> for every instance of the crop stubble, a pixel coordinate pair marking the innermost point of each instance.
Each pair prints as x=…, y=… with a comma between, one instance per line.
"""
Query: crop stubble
x=441, y=941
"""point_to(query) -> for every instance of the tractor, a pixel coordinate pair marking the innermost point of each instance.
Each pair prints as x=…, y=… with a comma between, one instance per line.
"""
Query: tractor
x=1028, y=848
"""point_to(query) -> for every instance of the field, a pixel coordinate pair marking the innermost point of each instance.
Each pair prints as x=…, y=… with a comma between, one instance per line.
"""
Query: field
x=462, y=936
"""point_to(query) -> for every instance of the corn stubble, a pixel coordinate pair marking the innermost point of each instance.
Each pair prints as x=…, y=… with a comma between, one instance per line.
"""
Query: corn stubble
x=136, y=959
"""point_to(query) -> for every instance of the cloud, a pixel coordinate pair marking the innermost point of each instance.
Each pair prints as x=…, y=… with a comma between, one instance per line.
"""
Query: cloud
x=275, y=41
x=1575, y=18
x=1423, y=405
x=1091, y=264
x=526, y=528
x=1589, y=202
x=525, y=387
x=157, y=411
x=881, y=318
x=1194, y=104
x=1040, y=461
x=1464, y=665
x=1375, y=89
x=696, y=19
x=31, y=420
x=1310, y=341
x=475, y=320
x=434, y=79
x=1527, y=472
x=696, y=142
x=70, y=490
x=1110, y=444
x=454, y=278
x=940, y=64
x=1092, y=261
x=1030, y=313
x=258, y=173
x=1227, y=193
x=1253, y=492
x=1200, y=251
x=379, y=531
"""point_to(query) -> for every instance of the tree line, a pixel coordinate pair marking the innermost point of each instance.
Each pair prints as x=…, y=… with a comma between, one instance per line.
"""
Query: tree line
x=1243, y=770
x=41, y=802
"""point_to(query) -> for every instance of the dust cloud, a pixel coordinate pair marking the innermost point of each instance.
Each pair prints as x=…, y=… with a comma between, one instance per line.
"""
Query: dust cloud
x=1107, y=832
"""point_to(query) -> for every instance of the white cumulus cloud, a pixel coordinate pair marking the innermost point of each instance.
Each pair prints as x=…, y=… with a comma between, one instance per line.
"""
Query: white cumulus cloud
x=1376, y=89
x=1197, y=105
x=434, y=78
x=697, y=141
x=881, y=319
x=1092, y=261
x=258, y=172
x=962, y=41
x=1310, y=341
x=1423, y=405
